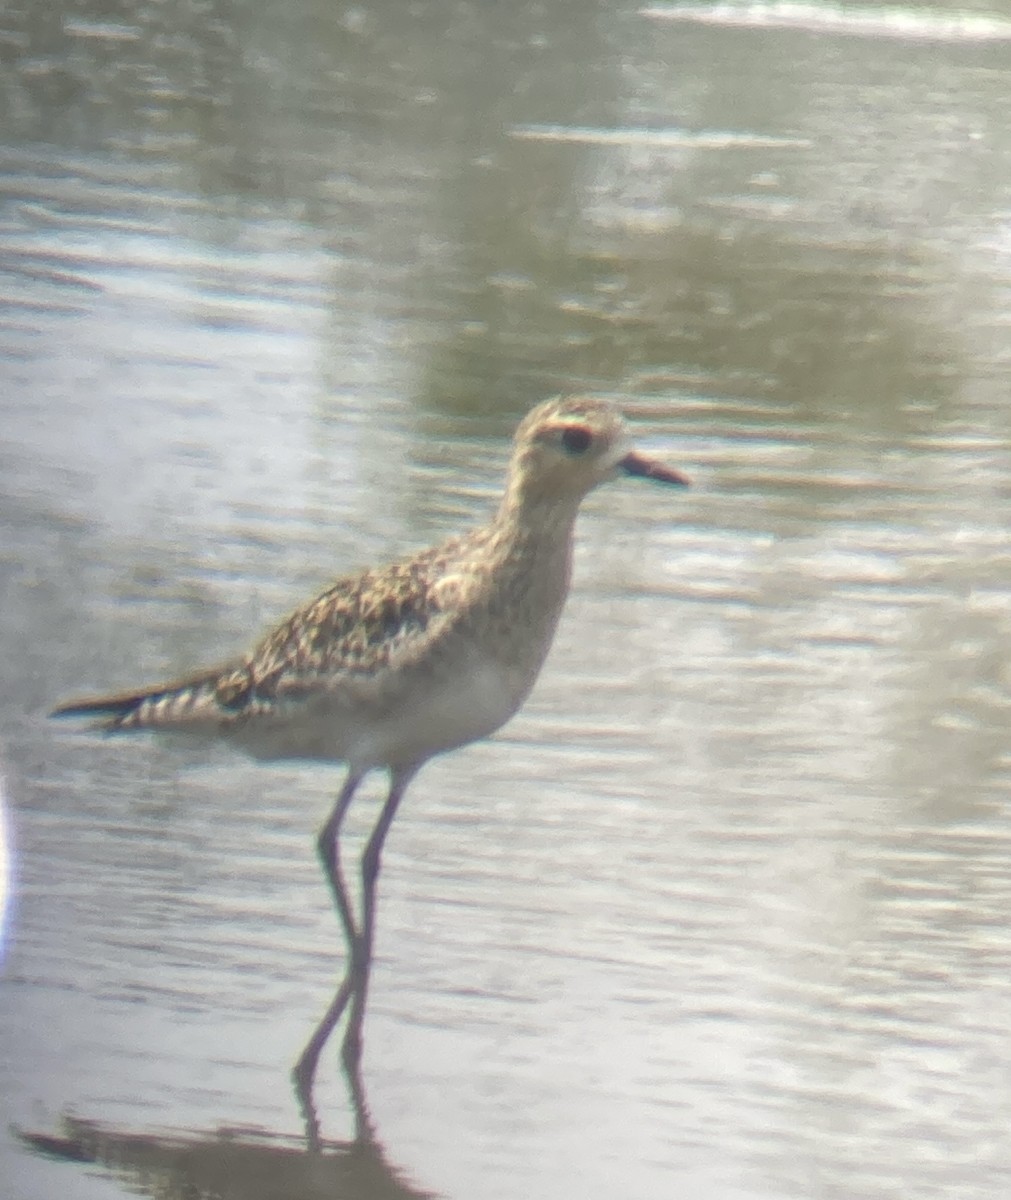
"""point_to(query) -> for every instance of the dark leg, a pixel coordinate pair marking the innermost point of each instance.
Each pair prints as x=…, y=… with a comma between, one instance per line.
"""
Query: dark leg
x=351, y=1051
x=328, y=846
x=328, y=849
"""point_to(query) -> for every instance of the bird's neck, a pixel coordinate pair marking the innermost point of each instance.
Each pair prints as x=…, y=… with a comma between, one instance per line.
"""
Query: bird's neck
x=533, y=553
x=530, y=528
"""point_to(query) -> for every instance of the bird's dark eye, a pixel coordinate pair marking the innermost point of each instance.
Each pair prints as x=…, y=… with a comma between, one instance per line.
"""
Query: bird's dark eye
x=576, y=439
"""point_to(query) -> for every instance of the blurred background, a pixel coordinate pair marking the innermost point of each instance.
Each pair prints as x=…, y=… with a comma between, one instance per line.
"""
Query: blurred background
x=723, y=914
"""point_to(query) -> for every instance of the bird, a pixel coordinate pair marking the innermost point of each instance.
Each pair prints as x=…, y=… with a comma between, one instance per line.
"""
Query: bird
x=394, y=665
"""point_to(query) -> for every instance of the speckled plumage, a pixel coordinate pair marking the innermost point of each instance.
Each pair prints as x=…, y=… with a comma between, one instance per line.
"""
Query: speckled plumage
x=394, y=665
x=368, y=653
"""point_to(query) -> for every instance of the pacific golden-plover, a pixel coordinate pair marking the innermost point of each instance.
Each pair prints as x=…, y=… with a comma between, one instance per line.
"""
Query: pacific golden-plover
x=392, y=666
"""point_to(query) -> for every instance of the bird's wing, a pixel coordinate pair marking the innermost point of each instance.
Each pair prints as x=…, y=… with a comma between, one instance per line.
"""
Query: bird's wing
x=361, y=630
x=346, y=640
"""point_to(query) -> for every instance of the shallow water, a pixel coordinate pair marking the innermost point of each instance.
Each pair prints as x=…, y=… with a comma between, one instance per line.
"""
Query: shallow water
x=724, y=912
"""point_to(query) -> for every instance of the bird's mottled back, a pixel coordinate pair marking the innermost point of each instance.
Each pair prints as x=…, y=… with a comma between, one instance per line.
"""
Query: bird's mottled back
x=376, y=645
x=359, y=625
x=362, y=625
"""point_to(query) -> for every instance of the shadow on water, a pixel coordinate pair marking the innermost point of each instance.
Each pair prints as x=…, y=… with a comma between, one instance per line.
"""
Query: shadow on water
x=231, y=1164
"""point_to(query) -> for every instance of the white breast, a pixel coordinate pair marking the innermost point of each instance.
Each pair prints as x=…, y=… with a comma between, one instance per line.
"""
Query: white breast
x=449, y=711
x=405, y=721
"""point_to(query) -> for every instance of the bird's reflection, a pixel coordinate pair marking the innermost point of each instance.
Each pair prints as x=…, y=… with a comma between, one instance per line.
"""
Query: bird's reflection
x=245, y=1164
x=239, y=1164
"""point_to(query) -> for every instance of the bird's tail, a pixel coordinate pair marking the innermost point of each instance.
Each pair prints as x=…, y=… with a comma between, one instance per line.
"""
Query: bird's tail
x=188, y=704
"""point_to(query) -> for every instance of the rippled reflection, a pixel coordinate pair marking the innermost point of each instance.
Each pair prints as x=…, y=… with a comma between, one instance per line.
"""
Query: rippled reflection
x=235, y=1162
